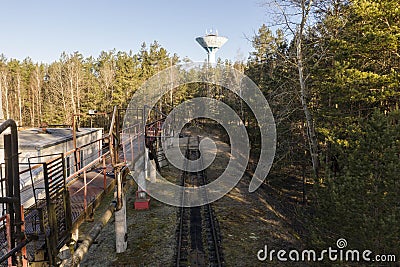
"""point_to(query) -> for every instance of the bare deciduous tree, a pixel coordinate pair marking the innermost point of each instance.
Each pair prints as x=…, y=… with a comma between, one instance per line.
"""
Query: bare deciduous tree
x=293, y=16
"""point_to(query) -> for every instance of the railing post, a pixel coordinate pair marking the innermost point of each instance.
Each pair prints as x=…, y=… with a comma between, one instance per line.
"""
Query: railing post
x=138, y=139
x=9, y=239
x=76, y=161
x=132, y=154
x=78, y=150
x=53, y=238
x=118, y=177
x=124, y=151
x=84, y=191
x=104, y=173
x=99, y=149
x=9, y=187
x=23, y=250
x=68, y=209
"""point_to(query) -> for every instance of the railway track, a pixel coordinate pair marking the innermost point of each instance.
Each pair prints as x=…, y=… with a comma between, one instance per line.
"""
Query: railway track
x=198, y=235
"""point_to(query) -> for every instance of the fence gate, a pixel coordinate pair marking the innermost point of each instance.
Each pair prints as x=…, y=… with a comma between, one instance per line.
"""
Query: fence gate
x=55, y=209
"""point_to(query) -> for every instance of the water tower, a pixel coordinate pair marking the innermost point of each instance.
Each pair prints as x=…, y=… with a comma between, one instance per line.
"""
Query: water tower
x=211, y=42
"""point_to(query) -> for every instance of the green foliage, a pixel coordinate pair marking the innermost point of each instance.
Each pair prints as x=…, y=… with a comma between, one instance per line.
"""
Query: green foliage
x=35, y=94
x=360, y=204
x=351, y=67
x=351, y=63
x=355, y=87
x=270, y=69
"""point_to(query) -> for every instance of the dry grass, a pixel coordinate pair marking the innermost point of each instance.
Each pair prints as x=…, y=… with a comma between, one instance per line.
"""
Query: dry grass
x=248, y=222
x=151, y=238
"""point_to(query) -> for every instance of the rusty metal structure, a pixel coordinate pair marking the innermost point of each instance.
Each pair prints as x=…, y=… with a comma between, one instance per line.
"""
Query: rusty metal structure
x=51, y=217
x=66, y=188
x=13, y=229
x=153, y=130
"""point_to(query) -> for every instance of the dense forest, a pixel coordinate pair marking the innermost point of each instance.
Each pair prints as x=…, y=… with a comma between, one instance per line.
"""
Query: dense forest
x=331, y=76
x=35, y=94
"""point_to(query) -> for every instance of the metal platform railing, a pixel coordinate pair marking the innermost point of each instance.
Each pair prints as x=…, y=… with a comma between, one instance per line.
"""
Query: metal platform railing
x=84, y=172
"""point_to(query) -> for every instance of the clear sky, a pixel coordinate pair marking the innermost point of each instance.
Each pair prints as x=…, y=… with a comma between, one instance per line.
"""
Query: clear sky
x=43, y=29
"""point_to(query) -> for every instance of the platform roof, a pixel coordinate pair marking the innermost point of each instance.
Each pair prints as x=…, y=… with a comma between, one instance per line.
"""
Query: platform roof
x=35, y=138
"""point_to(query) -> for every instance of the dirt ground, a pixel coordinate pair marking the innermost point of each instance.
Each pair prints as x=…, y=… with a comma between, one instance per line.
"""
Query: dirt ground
x=151, y=238
x=248, y=222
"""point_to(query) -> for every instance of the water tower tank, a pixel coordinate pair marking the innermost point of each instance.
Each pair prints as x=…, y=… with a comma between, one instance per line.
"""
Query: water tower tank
x=211, y=43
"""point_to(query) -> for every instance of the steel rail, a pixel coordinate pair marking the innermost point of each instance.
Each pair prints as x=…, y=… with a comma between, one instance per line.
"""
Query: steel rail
x=215, y=251
x=182, y=208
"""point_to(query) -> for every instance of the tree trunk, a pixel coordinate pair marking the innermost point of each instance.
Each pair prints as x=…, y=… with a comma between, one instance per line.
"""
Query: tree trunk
x=312, y=137
x=33, y=106
x=64, y=102
x=6, y=95
x=71, y=87
x=19, y=98
x=78, y=95
x=1, y=98
x=38, y=94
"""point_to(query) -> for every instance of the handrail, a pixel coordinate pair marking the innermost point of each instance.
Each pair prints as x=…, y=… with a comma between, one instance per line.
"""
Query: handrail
x=36, y=166
x=154, y=122
x=86, y=184
x=84, y=169
x=112, y=121
x=85, y=145
x=133, y=126
x=156, y=110
x=132, y=138
x=65, y=155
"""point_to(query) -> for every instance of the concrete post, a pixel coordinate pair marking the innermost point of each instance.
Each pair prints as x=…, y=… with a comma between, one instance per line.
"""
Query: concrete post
x=146, y=161
x=75, y=236
x=152, y=172
x=121, y=227
x=139, y=171
x=145, y=173
x=142, y=180
x=65, y=253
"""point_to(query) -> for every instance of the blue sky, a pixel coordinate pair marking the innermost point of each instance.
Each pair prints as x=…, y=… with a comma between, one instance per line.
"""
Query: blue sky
x=42, y=30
